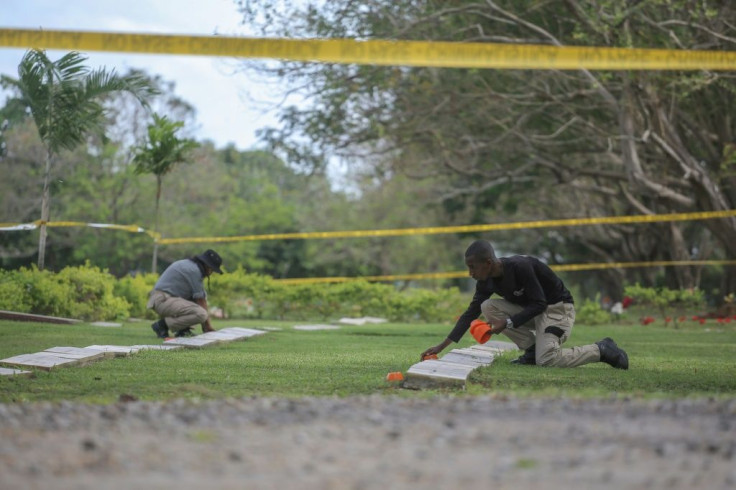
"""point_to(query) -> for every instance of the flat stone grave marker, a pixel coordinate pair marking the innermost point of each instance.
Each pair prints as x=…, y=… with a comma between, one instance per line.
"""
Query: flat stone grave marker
x=14, y=372
x=469, y=357
x=362, y=320
x=495, y=346
x=40, y=360
x=156, y=347
x=250, y=332
x=106, y=324
x=316, y=327
x=82, y=354
x=191, y=342
x=351, y=321
x=232, y=333
x=223, y=336
x=31, y=317
x=115, y=350
x=437, y=373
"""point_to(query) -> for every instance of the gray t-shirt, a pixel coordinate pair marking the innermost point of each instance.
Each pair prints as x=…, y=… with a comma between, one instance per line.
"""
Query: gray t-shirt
x=182, y=279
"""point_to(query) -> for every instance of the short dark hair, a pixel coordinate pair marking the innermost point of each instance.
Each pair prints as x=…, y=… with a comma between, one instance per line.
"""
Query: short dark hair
x=481, y=250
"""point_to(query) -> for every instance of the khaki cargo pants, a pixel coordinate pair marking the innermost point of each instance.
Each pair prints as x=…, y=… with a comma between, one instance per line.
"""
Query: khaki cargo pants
x=179, y=313
x=548, y=330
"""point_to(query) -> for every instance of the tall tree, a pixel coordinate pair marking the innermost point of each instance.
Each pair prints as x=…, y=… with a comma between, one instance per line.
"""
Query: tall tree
x=623, y=142
x=65, y=99
x=161, y=152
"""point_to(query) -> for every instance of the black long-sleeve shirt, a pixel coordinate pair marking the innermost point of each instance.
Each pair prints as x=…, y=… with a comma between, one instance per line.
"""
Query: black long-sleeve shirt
x=526, y=281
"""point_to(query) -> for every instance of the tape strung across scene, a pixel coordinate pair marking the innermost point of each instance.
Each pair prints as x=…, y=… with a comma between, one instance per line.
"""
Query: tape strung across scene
x=75, y=224
x=377, y=52
x=434, y=230
x=464, y=274
x=647, y=218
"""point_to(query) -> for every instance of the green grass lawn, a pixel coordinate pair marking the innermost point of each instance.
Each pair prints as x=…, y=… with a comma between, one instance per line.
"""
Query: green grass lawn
x=354, y=360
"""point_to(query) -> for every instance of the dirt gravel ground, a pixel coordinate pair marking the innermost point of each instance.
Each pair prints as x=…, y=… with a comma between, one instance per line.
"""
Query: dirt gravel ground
x=370, y=443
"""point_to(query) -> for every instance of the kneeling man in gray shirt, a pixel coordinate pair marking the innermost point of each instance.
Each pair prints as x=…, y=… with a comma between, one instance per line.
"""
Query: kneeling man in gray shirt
x=179, y=297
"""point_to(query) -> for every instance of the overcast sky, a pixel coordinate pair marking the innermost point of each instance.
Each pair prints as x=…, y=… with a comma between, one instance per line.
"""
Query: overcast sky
x=225, y=102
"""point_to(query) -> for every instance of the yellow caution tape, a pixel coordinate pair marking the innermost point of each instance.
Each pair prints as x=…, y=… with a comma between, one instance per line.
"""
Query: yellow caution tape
x=65, y=224
x=377, y=52
x=71, y=224
x=520, y=225
x=464, y=274
x=397, y=277
x=648, y=218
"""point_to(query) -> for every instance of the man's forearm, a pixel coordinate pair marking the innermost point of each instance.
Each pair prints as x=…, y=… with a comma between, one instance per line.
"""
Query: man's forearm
x=203, y=303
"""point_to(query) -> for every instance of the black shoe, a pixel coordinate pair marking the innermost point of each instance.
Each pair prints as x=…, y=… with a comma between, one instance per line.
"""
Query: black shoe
x=161, y=330
x=528, y=358
x=612, y=354
x=184, y=332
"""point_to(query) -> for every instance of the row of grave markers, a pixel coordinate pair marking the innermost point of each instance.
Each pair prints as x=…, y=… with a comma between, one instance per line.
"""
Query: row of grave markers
x=453, y=368
x=77, y=356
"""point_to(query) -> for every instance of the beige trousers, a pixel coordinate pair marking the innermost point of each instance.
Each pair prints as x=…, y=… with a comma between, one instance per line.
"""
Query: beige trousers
x=548, y=330
x=179, y=313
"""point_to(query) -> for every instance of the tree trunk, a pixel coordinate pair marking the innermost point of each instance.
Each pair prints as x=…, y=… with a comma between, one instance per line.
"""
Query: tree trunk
x=154, y=262
x=728, y=283
x=45, y=199
x=678, y=251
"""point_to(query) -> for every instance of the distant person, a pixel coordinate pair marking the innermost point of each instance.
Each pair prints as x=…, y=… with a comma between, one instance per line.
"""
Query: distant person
x=535, y=311
x=179, y=297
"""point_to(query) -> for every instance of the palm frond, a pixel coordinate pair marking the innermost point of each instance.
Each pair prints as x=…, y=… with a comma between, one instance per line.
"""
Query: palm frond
x=101, y=82
x=70, y=67
x=163, y=149
x=65, y=97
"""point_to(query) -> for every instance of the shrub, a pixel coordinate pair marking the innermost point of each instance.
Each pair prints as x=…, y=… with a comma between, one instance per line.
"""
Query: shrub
x=244, y=295
x=90, y=294
x=13, y=293
x=42, y=292
x=591, y=313
x=134, y=290
x=667, y=300
x=78, y=292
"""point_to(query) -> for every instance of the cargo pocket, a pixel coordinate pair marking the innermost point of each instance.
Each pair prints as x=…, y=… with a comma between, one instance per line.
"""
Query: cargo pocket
x=154, y=298
x=556, y=314
x=558, y=321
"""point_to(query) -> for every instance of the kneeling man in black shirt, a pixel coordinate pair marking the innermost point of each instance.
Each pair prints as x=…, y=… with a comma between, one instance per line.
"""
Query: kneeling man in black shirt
x=535, y=311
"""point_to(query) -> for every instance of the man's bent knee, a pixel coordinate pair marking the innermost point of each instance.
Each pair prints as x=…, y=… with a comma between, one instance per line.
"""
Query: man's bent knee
x=548, y=359
x=550, y=347
x=491, y=309
x=202, y=315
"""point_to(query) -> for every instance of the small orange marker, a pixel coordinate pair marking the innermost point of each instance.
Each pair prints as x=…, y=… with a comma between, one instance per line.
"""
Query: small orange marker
x=395, y=376
x=429, y=357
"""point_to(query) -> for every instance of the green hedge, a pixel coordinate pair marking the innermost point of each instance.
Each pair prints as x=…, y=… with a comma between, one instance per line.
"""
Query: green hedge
x=134, y=289
x=83, y=292
x=243, y=295
x=91, y=294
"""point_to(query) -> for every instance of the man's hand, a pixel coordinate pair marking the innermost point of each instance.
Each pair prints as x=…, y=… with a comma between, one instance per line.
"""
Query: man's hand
x=497, y=326
x=206, y=326
x=436, y=349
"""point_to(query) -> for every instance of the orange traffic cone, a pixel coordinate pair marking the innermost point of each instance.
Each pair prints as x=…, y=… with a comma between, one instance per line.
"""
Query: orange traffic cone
x=480, y=331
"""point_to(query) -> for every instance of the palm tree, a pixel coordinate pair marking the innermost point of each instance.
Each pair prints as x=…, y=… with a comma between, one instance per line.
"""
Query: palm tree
x=65, y=99
x=158, y=155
